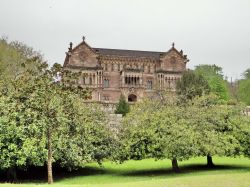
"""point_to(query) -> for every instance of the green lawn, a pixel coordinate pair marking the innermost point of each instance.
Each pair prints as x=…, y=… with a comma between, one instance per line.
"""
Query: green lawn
x=229, y=172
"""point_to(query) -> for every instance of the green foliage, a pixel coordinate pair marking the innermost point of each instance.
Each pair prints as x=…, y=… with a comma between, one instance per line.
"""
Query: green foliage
x=167, y=129
x=122, y=107
x=244, y=91
x=192, y=85
x=213, y=75
x=21, y=140
x=154, y=129
x=214, y=124
x=15, y=58
x=38, y=114
x=246, y=74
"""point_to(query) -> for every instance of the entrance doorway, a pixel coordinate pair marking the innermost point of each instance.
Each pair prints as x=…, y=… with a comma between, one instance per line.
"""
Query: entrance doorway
x=132, y=98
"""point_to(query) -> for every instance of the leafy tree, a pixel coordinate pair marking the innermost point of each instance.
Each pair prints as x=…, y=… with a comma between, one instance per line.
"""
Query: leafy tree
x=122, y=107
x=213, y=75
x=18, y=146
x=156, y=130
x=244, y=91
x=246, y=74
x=242, y=133
x=200, y=127
x=15, y=58
x=192, y=85
x=22, y=143
x=216, y=126
x=43, y=121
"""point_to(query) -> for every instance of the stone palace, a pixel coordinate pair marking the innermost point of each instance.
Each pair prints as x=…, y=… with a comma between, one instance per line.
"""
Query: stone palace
x=133, y=73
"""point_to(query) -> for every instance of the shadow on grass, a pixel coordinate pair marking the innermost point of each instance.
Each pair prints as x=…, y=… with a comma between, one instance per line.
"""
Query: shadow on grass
x=185, y=170
x=39, y=174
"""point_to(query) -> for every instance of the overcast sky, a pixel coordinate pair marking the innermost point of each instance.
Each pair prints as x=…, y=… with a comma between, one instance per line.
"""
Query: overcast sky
x=208, y=31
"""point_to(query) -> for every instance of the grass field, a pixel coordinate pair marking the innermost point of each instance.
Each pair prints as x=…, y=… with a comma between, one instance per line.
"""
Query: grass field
x=229, y=172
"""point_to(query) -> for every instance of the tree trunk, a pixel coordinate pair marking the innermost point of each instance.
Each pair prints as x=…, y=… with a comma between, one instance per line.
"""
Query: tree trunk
x=11, y=174
x=175, y=166
x=210, y=161
x=49, y=162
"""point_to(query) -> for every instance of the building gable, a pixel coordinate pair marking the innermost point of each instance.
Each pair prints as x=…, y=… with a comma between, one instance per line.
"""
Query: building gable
x=173, y=60
x=82, y=55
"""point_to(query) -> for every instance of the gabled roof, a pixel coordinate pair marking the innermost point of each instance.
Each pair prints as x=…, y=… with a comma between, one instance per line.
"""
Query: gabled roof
x=124, y=52
x=130, y=53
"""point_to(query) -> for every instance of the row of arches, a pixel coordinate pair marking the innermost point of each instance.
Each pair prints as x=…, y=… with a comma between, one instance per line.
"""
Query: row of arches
x=120, y=67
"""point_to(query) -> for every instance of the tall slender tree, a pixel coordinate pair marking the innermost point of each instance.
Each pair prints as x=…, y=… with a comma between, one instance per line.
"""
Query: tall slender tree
x=122, y=106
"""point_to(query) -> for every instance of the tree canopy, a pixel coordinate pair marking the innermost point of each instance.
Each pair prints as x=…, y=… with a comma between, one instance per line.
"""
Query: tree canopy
x=246, y=74
x=191, y=85
x=243, y=91
x=214, y=76
x=44, y=121
x=167, y=129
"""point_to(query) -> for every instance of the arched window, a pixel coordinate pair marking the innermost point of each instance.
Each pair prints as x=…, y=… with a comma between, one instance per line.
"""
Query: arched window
x=83, y=80
x=106, y=83
x=132, y=98
x=90, y=80
x=149, y=84
x=106, y=98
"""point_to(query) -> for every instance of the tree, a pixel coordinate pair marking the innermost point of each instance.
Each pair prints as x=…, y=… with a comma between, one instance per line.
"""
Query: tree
x=43, y=121
x=191, y=85
x=246, y=74
x=70, y=132
x=202, y=126
x=122, y=107
x=214, y=124
x=15, y=58
x=22, y=143
x=178, y=139
x=244, y=90
x=18, y=146
x=214, y=76
x=156, y=130
x=242, y=133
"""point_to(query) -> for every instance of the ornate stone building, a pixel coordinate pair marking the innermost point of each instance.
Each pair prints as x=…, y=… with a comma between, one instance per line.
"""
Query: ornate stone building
x=135, y=74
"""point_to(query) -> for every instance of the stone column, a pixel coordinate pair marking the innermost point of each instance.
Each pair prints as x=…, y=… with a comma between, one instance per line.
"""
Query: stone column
x=101, y=84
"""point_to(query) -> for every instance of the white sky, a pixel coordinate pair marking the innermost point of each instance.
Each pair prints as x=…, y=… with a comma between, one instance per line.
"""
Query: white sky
x=208, y=31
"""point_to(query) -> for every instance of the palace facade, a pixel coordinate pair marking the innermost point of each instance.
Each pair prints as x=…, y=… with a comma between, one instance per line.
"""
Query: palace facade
x=135, y=74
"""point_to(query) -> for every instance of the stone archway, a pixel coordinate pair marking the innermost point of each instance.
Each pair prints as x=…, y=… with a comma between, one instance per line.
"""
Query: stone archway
x=132, y=98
